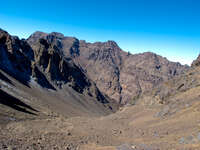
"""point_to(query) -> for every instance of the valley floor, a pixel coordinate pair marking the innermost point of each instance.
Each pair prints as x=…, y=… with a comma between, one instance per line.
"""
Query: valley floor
x=131, y=128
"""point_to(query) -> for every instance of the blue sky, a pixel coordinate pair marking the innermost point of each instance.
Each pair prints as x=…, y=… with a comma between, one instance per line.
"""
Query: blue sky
x=170, y=28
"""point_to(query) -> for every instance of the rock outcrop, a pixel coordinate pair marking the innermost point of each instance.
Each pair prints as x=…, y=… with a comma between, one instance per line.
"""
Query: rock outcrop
x=16, y=56
x=196, y=62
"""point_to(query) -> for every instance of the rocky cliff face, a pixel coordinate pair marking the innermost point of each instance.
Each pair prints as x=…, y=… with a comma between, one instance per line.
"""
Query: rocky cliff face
x=45, y=63
x=124, y=76
x=176, y=94
x=16, y=56
x=120, y=75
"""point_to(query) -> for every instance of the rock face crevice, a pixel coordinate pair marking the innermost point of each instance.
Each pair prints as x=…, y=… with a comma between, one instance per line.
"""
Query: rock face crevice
x=120, y=75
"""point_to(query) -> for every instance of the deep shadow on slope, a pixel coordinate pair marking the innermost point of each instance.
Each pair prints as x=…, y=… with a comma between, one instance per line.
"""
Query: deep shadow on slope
x=19, y=76
x=15, y=103
x=25, y=78
x=17, y=60
x=4, y=78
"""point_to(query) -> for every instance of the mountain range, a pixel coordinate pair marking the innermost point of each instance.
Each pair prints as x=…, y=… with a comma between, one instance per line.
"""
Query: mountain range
x=93, y=96
x=119, y=74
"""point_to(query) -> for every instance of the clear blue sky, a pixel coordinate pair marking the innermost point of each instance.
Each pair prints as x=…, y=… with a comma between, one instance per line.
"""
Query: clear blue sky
x=170, y=28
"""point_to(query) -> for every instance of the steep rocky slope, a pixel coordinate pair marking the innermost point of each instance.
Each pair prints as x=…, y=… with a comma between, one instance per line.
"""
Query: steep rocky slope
x=175, y=94
x=120, y=75
x=42, y=72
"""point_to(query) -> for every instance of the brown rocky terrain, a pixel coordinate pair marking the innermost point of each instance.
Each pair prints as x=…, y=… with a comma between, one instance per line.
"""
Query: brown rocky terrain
x=45, y=67
x=120, y=75
x=48, y=99
x=132, y=128
x=166, y=92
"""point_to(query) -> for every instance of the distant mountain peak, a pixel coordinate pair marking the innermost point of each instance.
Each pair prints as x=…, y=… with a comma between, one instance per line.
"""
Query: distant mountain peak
x=57, y=34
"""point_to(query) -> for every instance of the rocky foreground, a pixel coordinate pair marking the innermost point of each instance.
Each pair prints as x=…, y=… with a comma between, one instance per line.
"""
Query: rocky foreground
x=132, y=128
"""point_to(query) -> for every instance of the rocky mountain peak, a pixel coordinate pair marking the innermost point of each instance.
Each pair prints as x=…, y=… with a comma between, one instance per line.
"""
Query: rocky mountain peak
x=196, y=62
x=41, y=58
x=111, y=43
x=108, y=44
x=121, y=76
x=35, y=36
x=57, y=35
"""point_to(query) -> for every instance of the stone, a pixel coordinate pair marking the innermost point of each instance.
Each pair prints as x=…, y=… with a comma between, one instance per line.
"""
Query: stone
x=182, y=140
x=124, y=147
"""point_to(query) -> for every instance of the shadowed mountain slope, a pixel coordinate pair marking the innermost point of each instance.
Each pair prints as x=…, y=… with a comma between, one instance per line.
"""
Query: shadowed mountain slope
x=49, y=76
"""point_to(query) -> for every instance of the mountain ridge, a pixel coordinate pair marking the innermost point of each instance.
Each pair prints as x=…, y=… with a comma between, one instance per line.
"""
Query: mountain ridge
x=109, y=66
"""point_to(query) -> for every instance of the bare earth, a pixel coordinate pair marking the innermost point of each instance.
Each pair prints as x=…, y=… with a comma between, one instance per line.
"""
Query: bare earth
x=132, y=127
x=138, y=127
